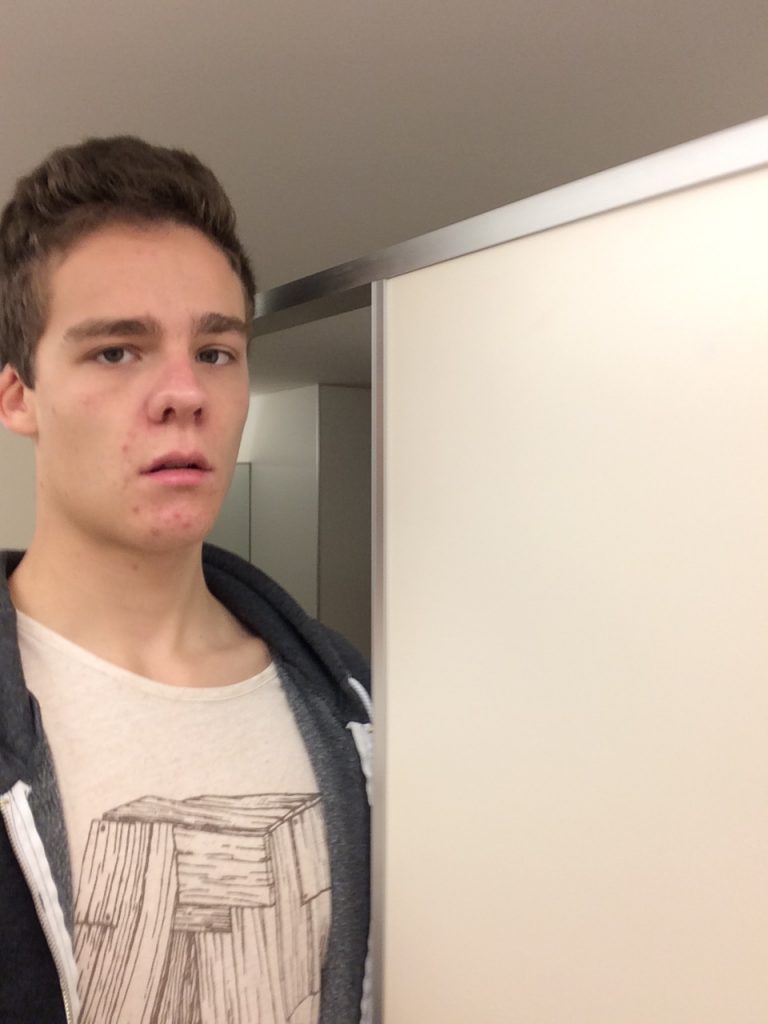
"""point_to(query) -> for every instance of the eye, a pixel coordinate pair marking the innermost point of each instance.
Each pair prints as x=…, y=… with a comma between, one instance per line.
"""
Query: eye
x=115, y=355
x=215, y=356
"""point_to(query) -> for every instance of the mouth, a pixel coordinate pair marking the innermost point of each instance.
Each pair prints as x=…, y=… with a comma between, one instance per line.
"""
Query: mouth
x=178, y=462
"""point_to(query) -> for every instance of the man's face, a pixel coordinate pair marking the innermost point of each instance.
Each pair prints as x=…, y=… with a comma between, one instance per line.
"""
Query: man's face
x=141, y=387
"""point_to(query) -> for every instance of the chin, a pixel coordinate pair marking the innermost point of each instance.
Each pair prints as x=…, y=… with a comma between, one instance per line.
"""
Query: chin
x=178, y=536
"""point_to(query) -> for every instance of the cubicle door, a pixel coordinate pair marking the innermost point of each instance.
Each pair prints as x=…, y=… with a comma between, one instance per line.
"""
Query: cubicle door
x=574, y=623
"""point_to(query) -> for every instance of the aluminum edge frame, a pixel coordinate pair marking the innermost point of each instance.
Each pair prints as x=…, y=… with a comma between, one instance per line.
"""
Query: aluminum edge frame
x=379, y=642
x=345, y=287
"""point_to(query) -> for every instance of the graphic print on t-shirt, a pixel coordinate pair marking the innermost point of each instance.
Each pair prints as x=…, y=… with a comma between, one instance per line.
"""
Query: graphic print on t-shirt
x=208, y=909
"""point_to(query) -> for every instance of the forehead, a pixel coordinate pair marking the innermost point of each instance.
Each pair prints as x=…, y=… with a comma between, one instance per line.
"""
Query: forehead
x=162, y=269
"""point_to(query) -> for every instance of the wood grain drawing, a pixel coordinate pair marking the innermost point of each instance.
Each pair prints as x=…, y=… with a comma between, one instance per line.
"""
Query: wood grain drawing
x=212, y=910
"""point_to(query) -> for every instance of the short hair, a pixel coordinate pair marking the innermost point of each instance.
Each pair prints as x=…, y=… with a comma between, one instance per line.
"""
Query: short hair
x=81, y=188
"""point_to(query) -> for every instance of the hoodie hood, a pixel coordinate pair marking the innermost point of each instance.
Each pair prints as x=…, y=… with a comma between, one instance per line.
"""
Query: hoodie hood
x=306, y=645
x=20, y=727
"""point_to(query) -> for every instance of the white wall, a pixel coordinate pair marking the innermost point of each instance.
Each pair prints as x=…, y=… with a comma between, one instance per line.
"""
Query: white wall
x=281, y=441
x=17, y=490
x=575, y=710
x=232, y=529
x=310, y=450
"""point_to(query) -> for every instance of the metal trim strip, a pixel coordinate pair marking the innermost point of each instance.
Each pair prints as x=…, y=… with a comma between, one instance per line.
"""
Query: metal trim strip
x=378, y=646
x=348, y=286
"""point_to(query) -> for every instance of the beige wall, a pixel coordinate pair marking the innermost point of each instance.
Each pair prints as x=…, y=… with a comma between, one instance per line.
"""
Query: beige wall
x=310, y=454
x=281, y=441
x=344, y=550
x=17, y=490
x=575, y=711
x=232, y=529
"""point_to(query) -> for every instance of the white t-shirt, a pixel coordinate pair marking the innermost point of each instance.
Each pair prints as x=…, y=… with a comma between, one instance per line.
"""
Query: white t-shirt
x=197, y=842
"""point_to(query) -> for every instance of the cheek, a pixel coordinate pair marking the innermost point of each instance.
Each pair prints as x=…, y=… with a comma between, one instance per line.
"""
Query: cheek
x=127, y=444
x=72, y=417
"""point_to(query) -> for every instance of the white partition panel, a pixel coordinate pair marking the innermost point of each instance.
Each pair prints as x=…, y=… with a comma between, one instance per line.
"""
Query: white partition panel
x=575, y=574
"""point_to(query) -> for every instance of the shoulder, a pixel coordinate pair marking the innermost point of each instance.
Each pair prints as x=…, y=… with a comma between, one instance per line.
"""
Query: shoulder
x=264, y=607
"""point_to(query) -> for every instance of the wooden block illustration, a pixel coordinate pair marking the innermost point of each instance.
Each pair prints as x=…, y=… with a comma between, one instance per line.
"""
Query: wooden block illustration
x=203, y=911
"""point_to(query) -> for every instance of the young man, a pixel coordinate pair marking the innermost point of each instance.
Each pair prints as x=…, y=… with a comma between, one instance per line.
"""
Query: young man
x=184, y=813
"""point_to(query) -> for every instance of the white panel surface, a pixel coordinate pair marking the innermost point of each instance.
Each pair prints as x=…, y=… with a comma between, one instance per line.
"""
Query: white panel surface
x=576, y=623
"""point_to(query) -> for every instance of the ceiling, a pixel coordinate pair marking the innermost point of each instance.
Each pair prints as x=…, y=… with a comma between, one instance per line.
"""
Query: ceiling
x=344, y=126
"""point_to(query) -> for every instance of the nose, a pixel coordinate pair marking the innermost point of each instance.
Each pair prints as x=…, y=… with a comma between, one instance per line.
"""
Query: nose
x=177, y=395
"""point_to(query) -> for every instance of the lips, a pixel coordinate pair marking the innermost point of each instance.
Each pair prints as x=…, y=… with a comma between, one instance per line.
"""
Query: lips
x=179, y=461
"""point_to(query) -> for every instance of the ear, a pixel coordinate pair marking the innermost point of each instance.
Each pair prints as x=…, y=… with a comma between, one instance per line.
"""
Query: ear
x=17, y=403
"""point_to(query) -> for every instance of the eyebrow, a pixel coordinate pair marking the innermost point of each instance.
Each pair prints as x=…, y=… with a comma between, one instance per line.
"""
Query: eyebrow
x=218, y=323
x=112, y=328
x=140, y=327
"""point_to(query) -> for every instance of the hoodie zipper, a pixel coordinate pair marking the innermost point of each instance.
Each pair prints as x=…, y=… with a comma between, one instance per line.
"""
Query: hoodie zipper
x=9, y=807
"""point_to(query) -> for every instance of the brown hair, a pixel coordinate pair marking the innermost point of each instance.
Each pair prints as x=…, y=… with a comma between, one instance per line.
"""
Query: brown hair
x=80, y=188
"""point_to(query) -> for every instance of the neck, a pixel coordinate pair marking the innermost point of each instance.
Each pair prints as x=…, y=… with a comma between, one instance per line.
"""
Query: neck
x=116, y=602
